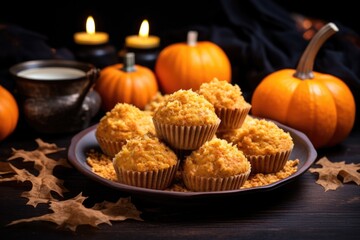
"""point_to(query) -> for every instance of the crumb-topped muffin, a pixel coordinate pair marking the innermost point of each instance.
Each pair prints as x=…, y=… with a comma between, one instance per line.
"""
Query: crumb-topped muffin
x=186, y=107
x=123, y=122
x=145, y=161
x=155, y=102
x=229, y=103
x=217, y=165
x=186, y=120
x=266, y=145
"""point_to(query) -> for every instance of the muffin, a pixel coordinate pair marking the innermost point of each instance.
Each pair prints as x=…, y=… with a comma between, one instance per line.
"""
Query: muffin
x=185, y=120
x=155, y=102
x=230, y=105
x=145, y=161
x=265, y=145
x=123, y=122
x=216, y=166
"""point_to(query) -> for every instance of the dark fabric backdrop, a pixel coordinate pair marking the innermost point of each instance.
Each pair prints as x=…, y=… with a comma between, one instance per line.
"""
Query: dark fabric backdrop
x=259, y=36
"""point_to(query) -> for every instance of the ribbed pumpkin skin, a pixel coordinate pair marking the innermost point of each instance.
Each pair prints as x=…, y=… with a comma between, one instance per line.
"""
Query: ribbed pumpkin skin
x=115, y=85
x=181, y=66
x=9, y=113
x=322, y=107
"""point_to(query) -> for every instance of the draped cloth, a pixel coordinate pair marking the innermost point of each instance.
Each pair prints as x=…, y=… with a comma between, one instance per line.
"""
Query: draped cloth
x=261, y=37
x=18, y=45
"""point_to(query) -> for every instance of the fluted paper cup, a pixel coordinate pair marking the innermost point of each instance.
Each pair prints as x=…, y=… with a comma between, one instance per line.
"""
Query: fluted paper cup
x=210, y=184
x=268, y=163
x=231, y=118
x=110, y=148
x=157, y=179
x=185, y=137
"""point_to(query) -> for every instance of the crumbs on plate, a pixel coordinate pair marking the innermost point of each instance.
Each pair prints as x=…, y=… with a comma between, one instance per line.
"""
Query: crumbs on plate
x=102, y=165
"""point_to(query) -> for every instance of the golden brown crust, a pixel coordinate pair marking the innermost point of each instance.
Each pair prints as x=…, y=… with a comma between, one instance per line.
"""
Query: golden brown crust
x=186, y=108
x=260, y=137
x=216, y=158
x=145, y=153
x=223, y=94
x=123, y=122
x=155, y=102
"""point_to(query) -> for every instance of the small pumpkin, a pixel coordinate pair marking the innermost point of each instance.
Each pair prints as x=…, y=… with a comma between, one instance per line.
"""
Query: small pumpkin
x=9, y=113
x=126, y=83
x=318, y=104
x=188, y=65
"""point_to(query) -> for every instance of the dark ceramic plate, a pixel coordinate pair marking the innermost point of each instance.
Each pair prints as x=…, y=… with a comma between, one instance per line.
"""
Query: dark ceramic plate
x=85, y=140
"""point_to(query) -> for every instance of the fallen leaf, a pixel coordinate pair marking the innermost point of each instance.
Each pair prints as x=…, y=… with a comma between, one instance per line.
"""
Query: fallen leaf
x=41, y=187
x=68, y=213
x=5, y=168
x=119, y=211
x=45, y=182
x=72, y=213
x=42, y=163
x=330, y=171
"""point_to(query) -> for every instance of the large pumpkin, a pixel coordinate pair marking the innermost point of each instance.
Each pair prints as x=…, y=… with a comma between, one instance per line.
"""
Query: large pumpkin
x=9, y=113
x=188, y=65
x=126, y=83
x=318, y=104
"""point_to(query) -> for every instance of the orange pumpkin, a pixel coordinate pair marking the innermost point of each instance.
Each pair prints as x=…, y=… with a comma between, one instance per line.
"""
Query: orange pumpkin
x=9, y=113
x=188, y=65
x=318, y=104
x=126, y=83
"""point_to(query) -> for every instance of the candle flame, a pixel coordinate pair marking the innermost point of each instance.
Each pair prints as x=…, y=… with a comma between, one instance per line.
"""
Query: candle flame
x=144, y=29
x=90, y=25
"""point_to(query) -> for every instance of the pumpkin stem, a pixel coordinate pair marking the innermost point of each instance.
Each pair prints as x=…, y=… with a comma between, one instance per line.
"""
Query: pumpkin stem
x=192, y=38
x=129, y=62
x=305, y=67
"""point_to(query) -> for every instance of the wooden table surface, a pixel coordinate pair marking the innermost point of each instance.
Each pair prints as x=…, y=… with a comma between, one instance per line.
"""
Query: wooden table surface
x=300, y=209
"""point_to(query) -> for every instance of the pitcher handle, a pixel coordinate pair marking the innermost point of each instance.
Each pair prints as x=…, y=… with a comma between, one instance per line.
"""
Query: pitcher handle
x=93, y=74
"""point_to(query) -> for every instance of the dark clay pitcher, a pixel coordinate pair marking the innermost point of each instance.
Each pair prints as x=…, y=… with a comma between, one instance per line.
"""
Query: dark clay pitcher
x=56, y=96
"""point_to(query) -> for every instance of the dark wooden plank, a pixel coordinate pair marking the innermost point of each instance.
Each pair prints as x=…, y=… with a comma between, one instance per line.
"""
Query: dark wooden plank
x=298, y=210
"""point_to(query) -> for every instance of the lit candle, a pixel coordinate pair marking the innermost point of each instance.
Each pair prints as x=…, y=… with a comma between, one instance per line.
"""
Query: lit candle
x=143, y=40
x=145, y=47
x=91, y=37
x=93, y=47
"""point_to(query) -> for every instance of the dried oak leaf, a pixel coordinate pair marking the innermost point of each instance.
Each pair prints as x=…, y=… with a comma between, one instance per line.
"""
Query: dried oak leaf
x=45, y=182
x=119, y=211
x=42, y=163
x=68, y=213
x=71, y=213
x=41, y=187
x=329, y=172
x=5, y=168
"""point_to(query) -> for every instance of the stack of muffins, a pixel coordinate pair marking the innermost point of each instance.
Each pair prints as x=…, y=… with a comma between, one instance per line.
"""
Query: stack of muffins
x=185, y=120
x=265, y=145
x=146, y=162
x=228, y=101
x=127, y=135
x=123, y=122
x=223, y=143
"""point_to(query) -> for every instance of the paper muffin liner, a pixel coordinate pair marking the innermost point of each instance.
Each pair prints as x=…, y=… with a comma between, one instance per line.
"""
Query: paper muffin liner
x=231, y=118
x=185, y=137
x=157, y=179
x=210, y=184
x=268, y=163
x=110, y=148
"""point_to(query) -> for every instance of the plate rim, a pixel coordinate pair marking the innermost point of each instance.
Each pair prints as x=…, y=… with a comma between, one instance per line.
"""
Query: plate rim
x=79, y=165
